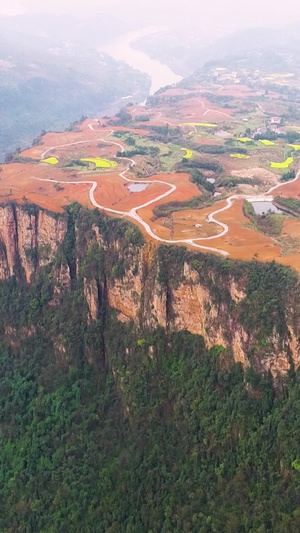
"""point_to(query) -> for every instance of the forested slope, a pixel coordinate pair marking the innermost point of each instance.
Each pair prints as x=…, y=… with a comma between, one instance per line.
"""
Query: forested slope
x=109, y=426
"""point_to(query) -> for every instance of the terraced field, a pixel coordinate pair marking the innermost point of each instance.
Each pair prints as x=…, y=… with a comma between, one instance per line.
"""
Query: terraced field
x=285, y=164
x=193, y=195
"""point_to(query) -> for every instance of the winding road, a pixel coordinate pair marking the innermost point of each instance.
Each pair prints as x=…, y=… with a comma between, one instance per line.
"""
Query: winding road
x=133, y=213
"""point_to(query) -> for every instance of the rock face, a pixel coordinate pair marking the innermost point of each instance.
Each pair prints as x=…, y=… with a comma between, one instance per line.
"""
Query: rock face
x=125, y=294
x=184, y=302
x=188, y=305
x=8, y=241
x=184, y=307
x=92, y=298
x=29, y=239
x=132, y=282
x=51, y=232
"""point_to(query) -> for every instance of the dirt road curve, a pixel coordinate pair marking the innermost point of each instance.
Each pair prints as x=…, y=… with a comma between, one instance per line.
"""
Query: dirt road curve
x=133, y=213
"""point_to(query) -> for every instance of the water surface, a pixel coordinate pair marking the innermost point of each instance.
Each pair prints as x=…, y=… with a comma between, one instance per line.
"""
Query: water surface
x=121, y=50
x=261, y=208
x=137, y=187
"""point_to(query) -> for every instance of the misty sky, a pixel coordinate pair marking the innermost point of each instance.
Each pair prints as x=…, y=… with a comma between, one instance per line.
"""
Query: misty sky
x=235, y=13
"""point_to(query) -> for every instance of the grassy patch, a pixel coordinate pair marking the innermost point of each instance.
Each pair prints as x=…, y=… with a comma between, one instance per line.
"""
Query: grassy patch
x=295, y=146
x=51, y=161
x=288, y=245
x=289, y=203
x=269, y=224
x=265, y=142
x=189, y=153
x=240, y=156
x=199, y=124
x=198, y=202
x=144, y=141
x=170, y=159
x=169, y=154
x=234, y=182
x=100, y=163
x=286, y=164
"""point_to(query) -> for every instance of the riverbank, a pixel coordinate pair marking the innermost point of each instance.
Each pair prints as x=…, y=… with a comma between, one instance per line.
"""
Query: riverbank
x=121, y=50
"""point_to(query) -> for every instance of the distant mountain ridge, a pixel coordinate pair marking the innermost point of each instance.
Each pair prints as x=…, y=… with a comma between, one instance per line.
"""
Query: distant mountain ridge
x=184, y=57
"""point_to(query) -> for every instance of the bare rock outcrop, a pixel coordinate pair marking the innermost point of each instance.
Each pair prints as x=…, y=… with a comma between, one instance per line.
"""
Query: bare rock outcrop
x=29, y=239
x=92, y=298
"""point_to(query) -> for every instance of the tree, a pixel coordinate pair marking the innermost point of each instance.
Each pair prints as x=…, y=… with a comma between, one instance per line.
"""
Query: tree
x=130, y=141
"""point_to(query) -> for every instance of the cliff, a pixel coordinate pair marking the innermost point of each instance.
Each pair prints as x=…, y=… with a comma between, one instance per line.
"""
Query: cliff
x=188, y=302
x=29, y=239
x=249, y=310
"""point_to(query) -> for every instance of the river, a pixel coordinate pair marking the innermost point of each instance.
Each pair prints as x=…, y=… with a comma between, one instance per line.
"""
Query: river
x=121, y=50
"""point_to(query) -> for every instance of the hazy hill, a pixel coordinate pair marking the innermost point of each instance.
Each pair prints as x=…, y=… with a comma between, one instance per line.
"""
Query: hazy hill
x=186, y=54
x=48, y=79
x=45, y=31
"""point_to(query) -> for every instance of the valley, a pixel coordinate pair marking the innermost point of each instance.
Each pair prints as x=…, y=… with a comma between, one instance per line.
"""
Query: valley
x=52, y=71
x=122, y=49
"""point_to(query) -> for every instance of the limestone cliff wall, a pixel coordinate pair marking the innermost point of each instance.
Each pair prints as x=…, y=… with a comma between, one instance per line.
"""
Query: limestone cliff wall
x=29, y=239
x=188, y=305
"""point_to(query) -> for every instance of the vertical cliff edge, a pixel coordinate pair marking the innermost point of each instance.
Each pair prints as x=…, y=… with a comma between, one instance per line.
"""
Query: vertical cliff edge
x=249, y=310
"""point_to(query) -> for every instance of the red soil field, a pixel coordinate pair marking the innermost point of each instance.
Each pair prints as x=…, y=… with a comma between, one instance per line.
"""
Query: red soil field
x=84, y=134
x=90, y=149
x=292, y=228
x=175, y=92
x=113, y=192
x=204, y=110
x=182, y=225
x=139, y=110
x=289, y=190
x=242, y=242
x=55, y=139
x=105, y=130
x=185, y=189
x=18, y=182
x=161, y=117
x=205, y=141
x=194, y=109
x=238, y=91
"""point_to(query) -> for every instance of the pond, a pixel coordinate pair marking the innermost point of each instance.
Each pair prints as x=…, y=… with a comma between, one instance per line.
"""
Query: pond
x=137, y=187
x=261, y=208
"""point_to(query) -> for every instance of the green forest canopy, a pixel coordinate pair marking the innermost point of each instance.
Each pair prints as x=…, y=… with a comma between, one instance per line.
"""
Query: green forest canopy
x=108, y=429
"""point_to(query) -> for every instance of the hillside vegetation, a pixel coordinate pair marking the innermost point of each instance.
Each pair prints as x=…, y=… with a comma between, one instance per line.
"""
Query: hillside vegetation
x=110, y=428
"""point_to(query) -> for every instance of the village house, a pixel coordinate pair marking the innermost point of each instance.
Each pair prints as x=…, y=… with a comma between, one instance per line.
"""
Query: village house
x=261, y=131
x=275, y=120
